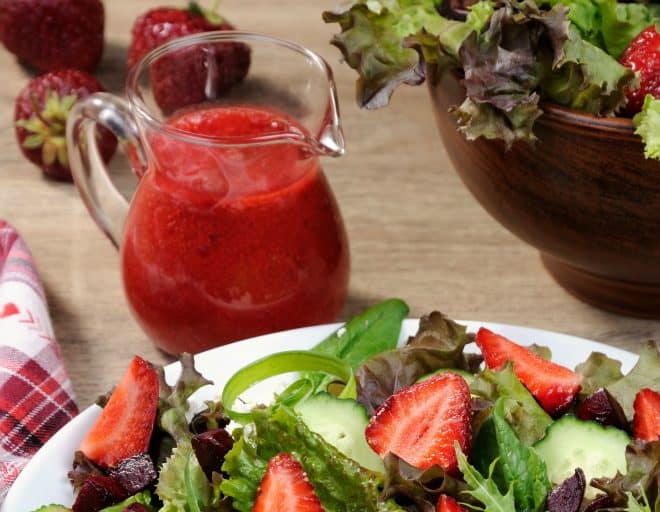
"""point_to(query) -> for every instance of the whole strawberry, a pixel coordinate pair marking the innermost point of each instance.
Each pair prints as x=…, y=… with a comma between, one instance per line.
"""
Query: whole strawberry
x=643, y=57
x=189, y=75
x=40, y=115
x=53, y=34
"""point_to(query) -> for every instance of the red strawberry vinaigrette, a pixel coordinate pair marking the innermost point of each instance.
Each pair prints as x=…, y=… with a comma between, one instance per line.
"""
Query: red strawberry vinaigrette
x=227, y=242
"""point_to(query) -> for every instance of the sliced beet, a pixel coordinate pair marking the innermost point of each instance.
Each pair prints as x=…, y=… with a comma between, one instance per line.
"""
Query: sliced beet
x=135, y=473
x=602, y=501
x=97, y=493
x=602, y=407
x=567, y=496
x=211, y=448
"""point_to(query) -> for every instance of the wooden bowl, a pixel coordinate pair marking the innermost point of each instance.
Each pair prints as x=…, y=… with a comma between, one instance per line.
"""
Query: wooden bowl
x=583, y=195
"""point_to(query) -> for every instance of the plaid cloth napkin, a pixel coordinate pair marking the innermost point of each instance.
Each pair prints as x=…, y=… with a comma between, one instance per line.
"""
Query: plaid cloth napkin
x=36, y=398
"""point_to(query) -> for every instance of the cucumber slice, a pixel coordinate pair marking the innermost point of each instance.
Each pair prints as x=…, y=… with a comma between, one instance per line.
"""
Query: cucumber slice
x=341, y=423
x=53, y=508
x=469, y=377
x=570, y=443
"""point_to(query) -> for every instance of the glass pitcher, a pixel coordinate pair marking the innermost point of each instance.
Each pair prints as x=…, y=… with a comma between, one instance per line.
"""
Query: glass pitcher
x=233, y=230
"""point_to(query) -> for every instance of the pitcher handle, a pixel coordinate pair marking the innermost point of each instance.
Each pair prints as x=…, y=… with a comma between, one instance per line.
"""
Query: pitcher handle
x=105, y=203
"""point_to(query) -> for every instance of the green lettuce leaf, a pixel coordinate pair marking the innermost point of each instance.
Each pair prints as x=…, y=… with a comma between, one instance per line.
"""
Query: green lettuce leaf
x=439, y=343
x=521, y=409
x=516, y=466
x=371, y=42
x=609, y=24
x=182, y=484
x=485, y=490
x=645, y=374
x=647, y=124
x=599, y=371
x=340, y=483
x=587, y=78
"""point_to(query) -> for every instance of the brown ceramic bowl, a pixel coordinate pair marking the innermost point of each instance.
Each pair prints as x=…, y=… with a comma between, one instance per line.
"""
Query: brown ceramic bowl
x=583, y=195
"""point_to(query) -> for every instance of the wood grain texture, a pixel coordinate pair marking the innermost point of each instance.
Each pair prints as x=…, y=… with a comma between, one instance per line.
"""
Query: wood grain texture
x=414, y=229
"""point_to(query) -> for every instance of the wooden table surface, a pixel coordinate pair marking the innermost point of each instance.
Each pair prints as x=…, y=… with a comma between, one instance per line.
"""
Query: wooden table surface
x=415, y=231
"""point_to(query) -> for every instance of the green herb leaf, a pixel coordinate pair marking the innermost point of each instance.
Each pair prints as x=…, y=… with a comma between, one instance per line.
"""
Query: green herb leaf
x=372, y=332
x=484, y=489
x=647, y=124
x=518, y=467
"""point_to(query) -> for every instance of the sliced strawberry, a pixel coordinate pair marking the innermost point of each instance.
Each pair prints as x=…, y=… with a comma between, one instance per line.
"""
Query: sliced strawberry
x=285, y=488
x=646, y=421
x=448, y=504
x=554, y=386
x=422, y=422
x=125, y=425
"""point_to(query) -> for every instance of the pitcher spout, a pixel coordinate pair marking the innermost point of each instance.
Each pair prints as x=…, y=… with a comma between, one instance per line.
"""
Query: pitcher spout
x=331, y=137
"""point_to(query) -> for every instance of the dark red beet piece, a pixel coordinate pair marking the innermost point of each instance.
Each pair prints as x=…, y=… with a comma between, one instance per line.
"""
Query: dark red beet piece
x=211, y=448
x=97, y=493
x=599, y=502
x=135, y=473
x=602, y=407
x=567, y=496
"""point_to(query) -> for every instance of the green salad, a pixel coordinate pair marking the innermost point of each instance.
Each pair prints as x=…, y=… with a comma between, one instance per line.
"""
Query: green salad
x=513, y=54
x=450, y=420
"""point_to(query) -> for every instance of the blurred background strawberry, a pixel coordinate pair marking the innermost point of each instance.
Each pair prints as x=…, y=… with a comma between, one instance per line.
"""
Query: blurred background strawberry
x=53, y=34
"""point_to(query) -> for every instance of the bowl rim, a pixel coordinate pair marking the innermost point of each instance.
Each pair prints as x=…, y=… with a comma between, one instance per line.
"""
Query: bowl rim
x=580, y=118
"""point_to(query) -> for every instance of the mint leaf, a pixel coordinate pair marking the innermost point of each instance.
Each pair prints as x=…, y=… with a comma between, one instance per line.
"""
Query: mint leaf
x=647, y=124
x=516, y=466
x=484, y=489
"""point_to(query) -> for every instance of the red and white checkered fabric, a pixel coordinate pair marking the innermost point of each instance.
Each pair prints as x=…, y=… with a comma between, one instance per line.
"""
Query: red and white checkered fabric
x=36, y=398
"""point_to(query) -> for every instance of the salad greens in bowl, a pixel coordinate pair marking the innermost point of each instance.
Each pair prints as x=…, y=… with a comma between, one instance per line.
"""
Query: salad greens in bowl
x=512, y=54
x=533, y=102
x=443, y=420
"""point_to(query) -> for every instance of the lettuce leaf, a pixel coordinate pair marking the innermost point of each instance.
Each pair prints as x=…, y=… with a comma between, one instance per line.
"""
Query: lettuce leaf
x=608, y=24
x=341, y=484
x=371, y=42
x=587, y=78
x=645, y=374
x=647, y=124
x=516, y=466
x=599, y=371
x=642, y=477
x=439, y=343
x=182, y=484
x=522, y=411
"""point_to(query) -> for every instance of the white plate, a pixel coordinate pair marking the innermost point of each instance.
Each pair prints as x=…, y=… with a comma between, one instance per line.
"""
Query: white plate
x=44, y=479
